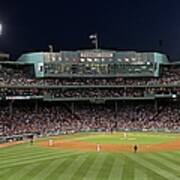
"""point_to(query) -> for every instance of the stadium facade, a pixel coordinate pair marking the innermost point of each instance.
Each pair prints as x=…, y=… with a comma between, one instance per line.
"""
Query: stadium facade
x=98, y=63
x=95, y=77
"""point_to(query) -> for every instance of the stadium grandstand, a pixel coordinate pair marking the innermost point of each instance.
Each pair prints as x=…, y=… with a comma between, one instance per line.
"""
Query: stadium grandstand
x=50, y=93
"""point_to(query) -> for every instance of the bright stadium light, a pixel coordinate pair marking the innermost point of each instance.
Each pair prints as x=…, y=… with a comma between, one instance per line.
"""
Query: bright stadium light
x=1, y=28
x=174, y=96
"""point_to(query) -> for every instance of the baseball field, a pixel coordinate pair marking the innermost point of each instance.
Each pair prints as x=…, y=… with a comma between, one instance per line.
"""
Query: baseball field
x=75, y=157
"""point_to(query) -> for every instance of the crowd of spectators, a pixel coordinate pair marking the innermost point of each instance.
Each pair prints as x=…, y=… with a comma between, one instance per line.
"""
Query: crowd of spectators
x=23, y=77
x=112, y=92
x=14, y=76
x=89, y=92
x=58, y=118
x=47, y=119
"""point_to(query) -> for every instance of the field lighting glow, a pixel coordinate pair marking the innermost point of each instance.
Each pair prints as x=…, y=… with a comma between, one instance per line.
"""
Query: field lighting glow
x=0, y=28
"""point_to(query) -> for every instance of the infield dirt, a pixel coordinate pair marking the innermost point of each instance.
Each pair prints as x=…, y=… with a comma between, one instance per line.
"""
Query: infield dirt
x=10, y=144
x=85, y=146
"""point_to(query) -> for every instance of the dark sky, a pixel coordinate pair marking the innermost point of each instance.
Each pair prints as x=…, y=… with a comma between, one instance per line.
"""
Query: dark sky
x=31, y=25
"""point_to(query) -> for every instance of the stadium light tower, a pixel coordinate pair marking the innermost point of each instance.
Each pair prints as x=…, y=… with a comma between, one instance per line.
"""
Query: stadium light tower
x=1, y=29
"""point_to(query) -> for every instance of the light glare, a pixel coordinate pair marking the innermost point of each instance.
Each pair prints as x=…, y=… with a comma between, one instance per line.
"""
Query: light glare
x=0, y=29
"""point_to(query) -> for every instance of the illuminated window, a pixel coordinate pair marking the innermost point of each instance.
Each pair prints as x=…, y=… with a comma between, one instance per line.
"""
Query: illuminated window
x=174, y=96
x=133, y=59
x=137, y=70
x=148, y=63
x=126, y=59
x=96, y=60
x=144, y=67
x=40, y=67
x=89, y=59
x=53, y=59
x=82, y=60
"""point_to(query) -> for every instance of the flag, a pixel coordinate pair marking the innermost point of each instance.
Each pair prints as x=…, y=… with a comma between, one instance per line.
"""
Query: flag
x=93, y=36
x=94, y=39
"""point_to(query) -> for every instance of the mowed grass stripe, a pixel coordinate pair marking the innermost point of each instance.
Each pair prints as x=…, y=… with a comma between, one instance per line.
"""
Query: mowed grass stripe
x=117, y=168
x=83, y=169
x=163, y=163
x=15, y=151
x=105, y=170
x=75, y=165
x=177, y=153
x=18, y=147
x=29, y=151
x=151, y=175
x=30, y=175
x=11, y=172
x=50, y=167
x=22, y=171
x=156, y=169
x=145, y=173
x=173, y=155
x=25, y=152
x=170, y=157
x=36, y=160
x=34, y=155
x=139, y=174
x=28, y=156
x=25, y=155
x=23, y=148
x=4, y=172
x=128, y=170
x=96, y=166
x=61, y=168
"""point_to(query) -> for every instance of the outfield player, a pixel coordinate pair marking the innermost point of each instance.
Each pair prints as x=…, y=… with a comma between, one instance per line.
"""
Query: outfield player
x=32, y=139
x=50, y=142
x=125, y=135
x=135, y=148
x=98, y=147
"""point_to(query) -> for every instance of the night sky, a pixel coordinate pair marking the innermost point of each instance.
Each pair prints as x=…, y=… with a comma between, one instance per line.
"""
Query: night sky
x=31, y=25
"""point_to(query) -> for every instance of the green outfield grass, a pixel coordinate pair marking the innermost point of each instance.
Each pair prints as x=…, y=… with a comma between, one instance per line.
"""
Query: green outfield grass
x=132, y=138
x=25, y=162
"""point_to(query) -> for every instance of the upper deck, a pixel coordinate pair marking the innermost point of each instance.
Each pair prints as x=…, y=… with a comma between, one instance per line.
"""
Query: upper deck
x=98, y=63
